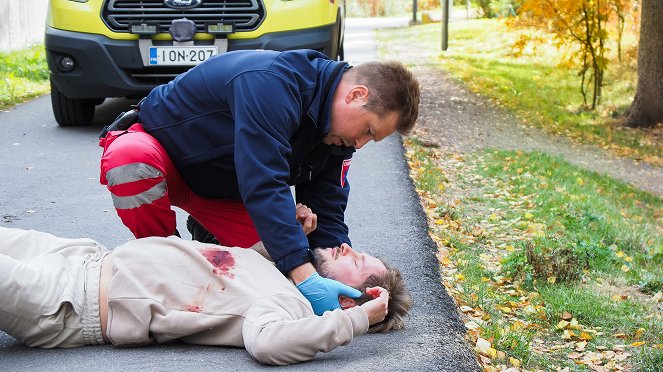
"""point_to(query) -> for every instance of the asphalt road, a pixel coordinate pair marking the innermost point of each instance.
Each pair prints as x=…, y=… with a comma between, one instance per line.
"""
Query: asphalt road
x=49, y=182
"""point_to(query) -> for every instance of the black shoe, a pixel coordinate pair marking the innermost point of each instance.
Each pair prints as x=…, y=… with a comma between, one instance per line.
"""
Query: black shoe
x=199, y=233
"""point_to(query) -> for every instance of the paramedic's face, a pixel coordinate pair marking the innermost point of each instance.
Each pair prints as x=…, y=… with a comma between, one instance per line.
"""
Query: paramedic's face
x=354, y=126
x=347, y=266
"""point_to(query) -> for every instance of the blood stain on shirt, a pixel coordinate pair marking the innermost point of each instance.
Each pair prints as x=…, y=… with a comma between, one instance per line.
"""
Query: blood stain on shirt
x=193, y=308
x=223, y=261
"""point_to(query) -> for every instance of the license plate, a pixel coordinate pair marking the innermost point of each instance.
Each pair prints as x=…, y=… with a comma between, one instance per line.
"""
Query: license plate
x=181, y=56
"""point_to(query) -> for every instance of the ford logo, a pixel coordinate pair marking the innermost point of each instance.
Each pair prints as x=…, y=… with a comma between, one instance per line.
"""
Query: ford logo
x=182, y=4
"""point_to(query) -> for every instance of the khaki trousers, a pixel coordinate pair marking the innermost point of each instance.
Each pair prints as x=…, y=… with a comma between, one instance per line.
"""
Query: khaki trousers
x=49, y=289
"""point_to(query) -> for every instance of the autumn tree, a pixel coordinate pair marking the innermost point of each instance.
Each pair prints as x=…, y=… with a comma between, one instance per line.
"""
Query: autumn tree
x=647, y=107
x=582, y=24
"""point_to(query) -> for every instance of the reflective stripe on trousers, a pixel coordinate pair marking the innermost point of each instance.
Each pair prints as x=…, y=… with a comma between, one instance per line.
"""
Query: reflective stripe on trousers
x=135, y=172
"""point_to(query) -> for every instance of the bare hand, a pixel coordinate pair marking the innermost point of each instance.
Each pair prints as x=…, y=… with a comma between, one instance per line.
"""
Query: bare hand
x=377, y=308
x=306, y=218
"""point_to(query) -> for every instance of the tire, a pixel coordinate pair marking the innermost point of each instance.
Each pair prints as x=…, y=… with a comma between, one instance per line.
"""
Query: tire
x=71, y=112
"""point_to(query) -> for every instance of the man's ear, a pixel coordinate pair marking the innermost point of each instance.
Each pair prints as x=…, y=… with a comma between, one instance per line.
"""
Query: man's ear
x=346, y=302
x=357, y=92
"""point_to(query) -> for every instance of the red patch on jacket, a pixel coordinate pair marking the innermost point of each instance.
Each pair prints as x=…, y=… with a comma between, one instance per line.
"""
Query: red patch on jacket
x=344, y=171
x=223, y=261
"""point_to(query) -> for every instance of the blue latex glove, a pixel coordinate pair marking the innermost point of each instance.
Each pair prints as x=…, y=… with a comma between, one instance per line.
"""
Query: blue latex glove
x=323, y=293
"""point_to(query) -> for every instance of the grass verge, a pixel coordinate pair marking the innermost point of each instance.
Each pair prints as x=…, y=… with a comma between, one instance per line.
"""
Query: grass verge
x=537, y=86
x=551, y=265
x=23, y=76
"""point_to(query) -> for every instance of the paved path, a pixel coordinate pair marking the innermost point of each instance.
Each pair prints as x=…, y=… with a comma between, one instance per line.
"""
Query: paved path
x=48, y=179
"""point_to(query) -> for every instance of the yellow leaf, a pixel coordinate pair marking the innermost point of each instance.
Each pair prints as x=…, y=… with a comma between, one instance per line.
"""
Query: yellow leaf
x=439, y=222
x=528, y=216
x=514, y=362
x=493, y=217
x=552, y=279
x=562, y=324
x=658, y=346
x=625, y=268
x=585, y=336
x=580, y=181
x=440, y=187
x=638, y=343
x=619, y=254
x=574, y=324
x=491, y=353
x=567, y=335
x=509, y=248
x=628, y=259
x=638, y=333
x=580, y=346
x=519, y=170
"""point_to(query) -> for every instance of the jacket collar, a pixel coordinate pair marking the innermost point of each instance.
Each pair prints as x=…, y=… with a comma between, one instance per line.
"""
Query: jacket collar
x=320, y=109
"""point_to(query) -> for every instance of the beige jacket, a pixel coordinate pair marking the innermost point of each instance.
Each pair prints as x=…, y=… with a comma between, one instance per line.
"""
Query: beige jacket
x=168, y=289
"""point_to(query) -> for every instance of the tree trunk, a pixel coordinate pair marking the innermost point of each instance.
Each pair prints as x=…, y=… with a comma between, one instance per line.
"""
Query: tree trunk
x=647, y=107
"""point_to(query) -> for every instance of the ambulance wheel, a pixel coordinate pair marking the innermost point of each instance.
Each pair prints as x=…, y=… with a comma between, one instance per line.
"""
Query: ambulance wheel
x=71, y=112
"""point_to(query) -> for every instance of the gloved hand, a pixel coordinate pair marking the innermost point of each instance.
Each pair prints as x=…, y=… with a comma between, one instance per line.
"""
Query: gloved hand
x=323, y=293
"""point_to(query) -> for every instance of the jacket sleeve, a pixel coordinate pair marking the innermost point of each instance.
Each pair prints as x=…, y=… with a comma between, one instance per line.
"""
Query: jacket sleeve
x=327, y=195
x=282, y=330
x=267, y=110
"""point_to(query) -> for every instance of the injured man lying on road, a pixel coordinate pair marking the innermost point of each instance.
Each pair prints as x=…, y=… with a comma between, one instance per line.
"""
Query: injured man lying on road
x=59, y=292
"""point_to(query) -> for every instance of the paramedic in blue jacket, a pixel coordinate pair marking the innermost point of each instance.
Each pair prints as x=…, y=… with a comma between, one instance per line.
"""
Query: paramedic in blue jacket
x=225, y=140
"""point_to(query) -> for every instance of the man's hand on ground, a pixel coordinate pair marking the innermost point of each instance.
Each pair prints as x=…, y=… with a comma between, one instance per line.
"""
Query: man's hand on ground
x=323, y=293
x=377, y=308
x=306, y=218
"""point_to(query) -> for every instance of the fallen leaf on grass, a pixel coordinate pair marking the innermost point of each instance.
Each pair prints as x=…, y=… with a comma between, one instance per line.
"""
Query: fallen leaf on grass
x=562, y=324
x=568, y=334
x=574, y=355
x=638, y=333
x=658, y=297
x=580, y=346
x=617, y=298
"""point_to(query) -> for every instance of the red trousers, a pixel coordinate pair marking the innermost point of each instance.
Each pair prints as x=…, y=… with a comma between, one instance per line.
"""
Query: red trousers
x=144, y=185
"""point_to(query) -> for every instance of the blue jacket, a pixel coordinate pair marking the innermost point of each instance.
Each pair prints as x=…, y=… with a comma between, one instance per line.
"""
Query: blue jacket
x=247, y=124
